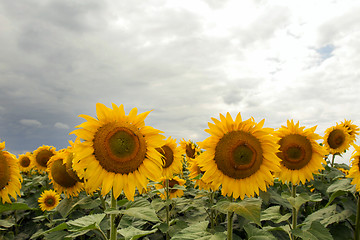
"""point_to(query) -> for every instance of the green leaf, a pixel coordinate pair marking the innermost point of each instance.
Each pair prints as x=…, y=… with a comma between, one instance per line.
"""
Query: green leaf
x=335, y=195
x=316, y=232
x=14, y=206
x=86, y=221
x=255, y=233
x=327, y=216
x=273, y=214
x=195, y=231
x=248, y=208
x=303, y=198
x=343, y=185
x=6, y=223
x=145, y=213
x=278, y=199
x=59, y=227
x=131, y=233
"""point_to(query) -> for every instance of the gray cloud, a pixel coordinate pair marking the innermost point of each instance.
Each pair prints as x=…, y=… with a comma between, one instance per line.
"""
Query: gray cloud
x=30, y=122
x=59, y=58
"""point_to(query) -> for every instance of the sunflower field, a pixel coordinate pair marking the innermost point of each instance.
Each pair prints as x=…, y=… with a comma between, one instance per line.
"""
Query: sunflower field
x=121, y=179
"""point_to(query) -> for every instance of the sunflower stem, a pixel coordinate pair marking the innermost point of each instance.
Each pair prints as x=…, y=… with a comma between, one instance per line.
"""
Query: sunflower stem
x=230, y=216
x=332, y=160
x=113, y=230
x=212, y=220
x=357, y=221
x=294, y=212
x=167, y=192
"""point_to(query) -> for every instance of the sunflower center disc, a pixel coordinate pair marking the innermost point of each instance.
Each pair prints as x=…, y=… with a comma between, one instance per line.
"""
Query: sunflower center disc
x=60, y=175
x=69, y=169
x=49, y=202
x=172, y=183
x=119, y=148
x=43, y=157
x=238, y=154
x=167, y=156
x=190, y=152
x=295, y=151
x=4, y=171
x=336, y=138
x=25, y=162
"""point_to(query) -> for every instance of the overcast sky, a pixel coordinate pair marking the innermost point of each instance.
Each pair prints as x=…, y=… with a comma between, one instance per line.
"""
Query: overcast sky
x=186, y=60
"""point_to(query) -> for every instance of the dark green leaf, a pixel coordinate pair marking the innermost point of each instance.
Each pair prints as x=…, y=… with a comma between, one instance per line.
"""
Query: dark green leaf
x=134, y=233
x=343, y=185
x=257, y=233
x=316, y=232
x=248, y=208
x=145, y=213
x=14, y=206
x=195, y=231
x=273, y=214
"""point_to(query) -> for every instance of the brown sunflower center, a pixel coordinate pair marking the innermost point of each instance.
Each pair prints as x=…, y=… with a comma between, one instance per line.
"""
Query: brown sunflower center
x=295, y=151
x=336, y=138
x=119, y=148
x=60, y=175
x=190, y=151
x=43, y=157
x=49, y=201
x=25, y=161
x=4, y=171
x=167, y=155
x=238, y=154
x=69, y=169
x=172, y=183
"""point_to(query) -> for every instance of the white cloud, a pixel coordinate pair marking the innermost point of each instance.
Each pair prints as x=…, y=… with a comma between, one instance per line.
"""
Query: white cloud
x=30, y=123
x=61, y=125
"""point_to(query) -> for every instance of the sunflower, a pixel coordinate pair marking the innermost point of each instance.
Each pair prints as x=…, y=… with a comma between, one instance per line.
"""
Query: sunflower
x=337, y=139
x=174, y=193
x=48, y=200
x=61, y=175
x=195, y=171
x=118, y=151
x=10, y=177
x=301, y=155
x=353, y=129
x=190, y=148
x=41, y=156
x=172, y=158
x=25, y=162
x=354, y=171
x=239, y=156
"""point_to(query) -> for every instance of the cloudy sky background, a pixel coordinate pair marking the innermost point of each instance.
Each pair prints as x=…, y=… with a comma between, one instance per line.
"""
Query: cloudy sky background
x=186, y=60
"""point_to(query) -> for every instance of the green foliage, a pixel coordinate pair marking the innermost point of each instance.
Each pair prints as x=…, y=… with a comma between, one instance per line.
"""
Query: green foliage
x=326, y=209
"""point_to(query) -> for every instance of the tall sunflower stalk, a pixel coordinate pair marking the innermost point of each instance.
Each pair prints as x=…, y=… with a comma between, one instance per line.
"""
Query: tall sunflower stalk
x=113, y=230
x=294, y=211
x=167, y=204
x=357, y=221
x=230, y=216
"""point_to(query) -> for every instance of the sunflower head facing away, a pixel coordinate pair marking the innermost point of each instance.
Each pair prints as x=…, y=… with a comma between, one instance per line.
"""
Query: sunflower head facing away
x=41, y=156
x=171, y=155
x=10, y=178
x=354, y=171
x=353, y=129
x=61, y=175
x=48, y=200
x=195, y=173
x=239, y=156
x=300, y=154
x=173, y=193
x=117, y=152
x=337, y=139
x=25, y=162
